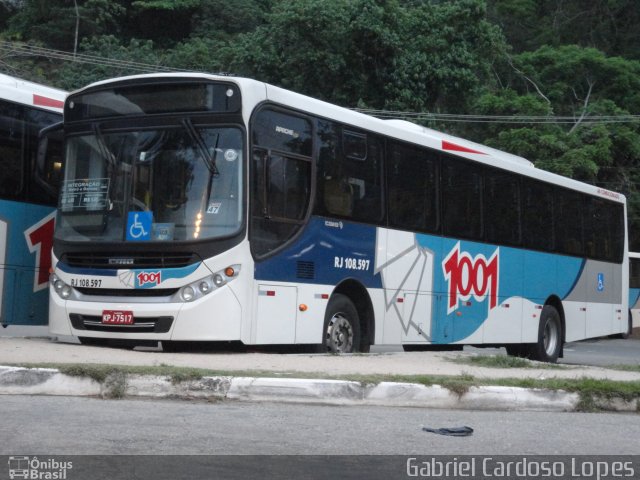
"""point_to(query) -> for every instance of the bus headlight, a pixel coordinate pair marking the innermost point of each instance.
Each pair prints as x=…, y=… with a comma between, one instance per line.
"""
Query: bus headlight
x=205, y=286
x=188, y=293
x=61, y=288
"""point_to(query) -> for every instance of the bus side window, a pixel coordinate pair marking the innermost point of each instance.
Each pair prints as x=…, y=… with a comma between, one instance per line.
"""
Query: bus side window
x=412, y=175
x=349, y=173
x=502, y=207
x=11, y=150
x=461, y=199
x=45, y=182
x=537, y=215
x=568, y=212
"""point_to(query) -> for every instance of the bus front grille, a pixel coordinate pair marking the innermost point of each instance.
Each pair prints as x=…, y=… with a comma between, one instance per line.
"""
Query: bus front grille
x=127, y=292
x=115, y=260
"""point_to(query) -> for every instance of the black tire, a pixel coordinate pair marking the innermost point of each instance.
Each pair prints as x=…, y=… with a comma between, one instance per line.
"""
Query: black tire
x=341, y=331
x=549, y=344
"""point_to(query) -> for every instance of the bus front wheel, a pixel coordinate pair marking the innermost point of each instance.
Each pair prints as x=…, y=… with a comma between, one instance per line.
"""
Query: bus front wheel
x=341, y=333
x=549, y=344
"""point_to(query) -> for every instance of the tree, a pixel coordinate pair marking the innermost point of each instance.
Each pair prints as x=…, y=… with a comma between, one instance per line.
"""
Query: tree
x=608, y=25
x=375, y=53
x=577, y=84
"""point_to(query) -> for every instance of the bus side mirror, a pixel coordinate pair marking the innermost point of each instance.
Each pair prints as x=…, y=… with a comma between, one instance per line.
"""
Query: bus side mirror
x=48, y=167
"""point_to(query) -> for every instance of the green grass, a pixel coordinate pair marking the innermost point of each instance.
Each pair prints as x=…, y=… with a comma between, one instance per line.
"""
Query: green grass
x=502, y=361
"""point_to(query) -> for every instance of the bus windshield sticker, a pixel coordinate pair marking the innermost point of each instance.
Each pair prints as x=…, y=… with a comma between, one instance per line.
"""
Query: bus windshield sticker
x=85, y=193
x=214, y=207
x=139, y=226
x=162, y=231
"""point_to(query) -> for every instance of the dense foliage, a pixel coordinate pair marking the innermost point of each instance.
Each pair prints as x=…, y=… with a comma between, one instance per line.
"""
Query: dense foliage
x=574, y=65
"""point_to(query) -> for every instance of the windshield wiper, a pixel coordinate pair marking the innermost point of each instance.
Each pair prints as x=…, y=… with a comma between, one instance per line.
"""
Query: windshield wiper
x=209, y=160
x=102, y=144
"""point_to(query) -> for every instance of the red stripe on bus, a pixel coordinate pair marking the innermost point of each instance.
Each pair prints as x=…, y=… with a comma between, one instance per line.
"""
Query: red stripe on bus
x=458, y=148
x=41, y=101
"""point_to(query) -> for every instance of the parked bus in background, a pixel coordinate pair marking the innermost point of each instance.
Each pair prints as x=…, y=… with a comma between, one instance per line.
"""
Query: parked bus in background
x=207, y=208
x=634, y=292
x=27, y=206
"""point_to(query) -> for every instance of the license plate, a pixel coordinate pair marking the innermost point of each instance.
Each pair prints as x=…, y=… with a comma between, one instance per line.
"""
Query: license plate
x=117, y=317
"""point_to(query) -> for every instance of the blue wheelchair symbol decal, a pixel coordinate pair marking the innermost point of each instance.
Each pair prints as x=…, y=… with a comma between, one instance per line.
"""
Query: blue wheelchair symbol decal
x=600, y=286
x=139, y=226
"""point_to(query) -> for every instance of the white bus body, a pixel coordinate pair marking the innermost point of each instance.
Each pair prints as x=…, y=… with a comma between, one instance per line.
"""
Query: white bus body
x=301, y=222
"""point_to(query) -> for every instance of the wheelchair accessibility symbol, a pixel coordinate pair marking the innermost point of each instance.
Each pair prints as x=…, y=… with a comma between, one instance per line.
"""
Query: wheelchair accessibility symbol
x=600, y=286
x=139, y=226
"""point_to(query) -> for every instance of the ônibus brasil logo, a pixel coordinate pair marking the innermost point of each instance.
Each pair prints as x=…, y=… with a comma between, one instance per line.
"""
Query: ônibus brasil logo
x=468, y=276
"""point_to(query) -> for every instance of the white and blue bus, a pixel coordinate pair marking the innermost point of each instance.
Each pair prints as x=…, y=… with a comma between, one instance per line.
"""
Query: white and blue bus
x=27, y=200
x=208, y=208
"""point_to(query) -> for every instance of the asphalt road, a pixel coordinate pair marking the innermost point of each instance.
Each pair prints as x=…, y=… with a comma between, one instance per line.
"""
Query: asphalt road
x=85, y=426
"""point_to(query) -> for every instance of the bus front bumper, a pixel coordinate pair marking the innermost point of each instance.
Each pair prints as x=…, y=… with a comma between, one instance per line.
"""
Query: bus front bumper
x=216, y=317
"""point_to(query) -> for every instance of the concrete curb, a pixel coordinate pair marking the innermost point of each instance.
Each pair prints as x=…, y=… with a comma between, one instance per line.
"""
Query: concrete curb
x=38, y=381
x=25, y=381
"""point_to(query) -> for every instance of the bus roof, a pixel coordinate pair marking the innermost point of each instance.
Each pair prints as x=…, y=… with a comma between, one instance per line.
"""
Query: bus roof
x=256, y=91
x=32, y=94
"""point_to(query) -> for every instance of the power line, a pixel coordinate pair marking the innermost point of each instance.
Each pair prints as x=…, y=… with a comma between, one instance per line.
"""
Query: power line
x=32, y=50
x=510, y=119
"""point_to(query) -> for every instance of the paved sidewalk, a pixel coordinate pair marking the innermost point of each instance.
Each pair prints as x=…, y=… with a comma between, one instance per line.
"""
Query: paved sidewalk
x=289, y=377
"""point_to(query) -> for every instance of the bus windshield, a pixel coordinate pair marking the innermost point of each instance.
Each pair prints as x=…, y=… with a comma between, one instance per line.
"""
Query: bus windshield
x=171, y=184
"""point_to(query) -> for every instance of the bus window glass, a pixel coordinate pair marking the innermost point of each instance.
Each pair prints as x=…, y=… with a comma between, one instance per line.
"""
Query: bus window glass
x=501, y=207
x=280, y=180
x=282, y=132
x=634, y=272
x=412, y=176
x=568, y=211
x=36, y=120
x=349, y=187
x=537, y=215
x=461, y=199
x=281, y=191
x=11, y=149
x=189, y=193
x=354, y=145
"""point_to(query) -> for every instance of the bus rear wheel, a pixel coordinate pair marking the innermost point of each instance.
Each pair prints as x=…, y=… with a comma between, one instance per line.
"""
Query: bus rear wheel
x=549, y=344
x=341, y=332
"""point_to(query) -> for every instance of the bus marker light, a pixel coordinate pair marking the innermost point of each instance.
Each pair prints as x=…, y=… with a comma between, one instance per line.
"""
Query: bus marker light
x=229, y=272
x=303, y=307
x=400, y=300
x=271, y=293
x=204, y=287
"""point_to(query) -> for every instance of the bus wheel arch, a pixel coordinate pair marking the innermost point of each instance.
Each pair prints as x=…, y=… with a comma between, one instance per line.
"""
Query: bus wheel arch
x=357, y=294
